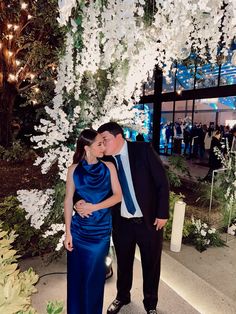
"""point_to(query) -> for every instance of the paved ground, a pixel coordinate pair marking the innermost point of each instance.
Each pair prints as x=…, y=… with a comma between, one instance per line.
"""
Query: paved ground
x=53, y=287
x=192, y=282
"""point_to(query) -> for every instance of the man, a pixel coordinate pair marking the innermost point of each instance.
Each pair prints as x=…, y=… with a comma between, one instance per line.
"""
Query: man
x=139, y=220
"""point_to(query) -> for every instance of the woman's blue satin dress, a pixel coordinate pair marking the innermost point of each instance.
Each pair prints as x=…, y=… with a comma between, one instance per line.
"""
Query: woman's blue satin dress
x=91, y=240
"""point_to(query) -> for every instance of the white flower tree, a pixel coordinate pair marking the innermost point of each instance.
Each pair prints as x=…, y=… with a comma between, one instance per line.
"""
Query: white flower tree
x=111, y=47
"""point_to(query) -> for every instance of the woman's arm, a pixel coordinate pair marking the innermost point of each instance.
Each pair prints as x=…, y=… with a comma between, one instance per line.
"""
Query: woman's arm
x=68, y=206
x=87, y=208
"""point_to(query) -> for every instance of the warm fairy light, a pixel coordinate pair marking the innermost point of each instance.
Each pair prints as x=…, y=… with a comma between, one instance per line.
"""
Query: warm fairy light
x=10, y=37
x=34, y=102
x=16, y=27
x=32, y=76
x=0, y=45
x=17, y=62
x=11, y=77
x=24, y=5
x=10, y=53
x=29, y=16
x=36, y=89
x=53, y=68
x=179, y=91
x=55, y=82
x=9, y=26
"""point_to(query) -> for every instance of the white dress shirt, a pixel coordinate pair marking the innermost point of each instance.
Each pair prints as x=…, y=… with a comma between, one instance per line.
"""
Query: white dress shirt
x=125, y=162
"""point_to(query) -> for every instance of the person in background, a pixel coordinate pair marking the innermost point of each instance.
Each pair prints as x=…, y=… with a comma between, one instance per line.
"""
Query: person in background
x=214, y=158
x=208, y=138
x=187, y=139
x=168, y=134
x=201, y=139
x=140, y=137
x=87, y=237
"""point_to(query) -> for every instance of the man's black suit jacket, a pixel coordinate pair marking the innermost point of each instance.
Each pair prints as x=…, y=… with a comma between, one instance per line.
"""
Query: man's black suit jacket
x=150, y=183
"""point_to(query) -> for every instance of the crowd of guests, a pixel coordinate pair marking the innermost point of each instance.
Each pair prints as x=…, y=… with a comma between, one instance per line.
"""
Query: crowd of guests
x=200, y=140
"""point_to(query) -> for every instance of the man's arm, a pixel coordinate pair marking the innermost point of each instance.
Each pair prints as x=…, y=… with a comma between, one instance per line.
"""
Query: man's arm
x=76, y=198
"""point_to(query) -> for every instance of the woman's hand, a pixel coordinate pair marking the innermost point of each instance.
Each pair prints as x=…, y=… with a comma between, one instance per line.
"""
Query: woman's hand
x=84, y=209
x=68, y=242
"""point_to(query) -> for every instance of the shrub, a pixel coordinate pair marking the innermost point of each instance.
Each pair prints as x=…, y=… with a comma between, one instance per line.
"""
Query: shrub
x=177, y=167
x=17, y=152
x=17, y=287
x=202, y=236
x=29, y=241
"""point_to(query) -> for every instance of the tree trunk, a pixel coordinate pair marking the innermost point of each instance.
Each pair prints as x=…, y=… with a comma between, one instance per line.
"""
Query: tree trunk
x=7, y=99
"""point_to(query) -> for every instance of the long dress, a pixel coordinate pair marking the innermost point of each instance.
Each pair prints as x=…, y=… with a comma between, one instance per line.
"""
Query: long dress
x=91, y=240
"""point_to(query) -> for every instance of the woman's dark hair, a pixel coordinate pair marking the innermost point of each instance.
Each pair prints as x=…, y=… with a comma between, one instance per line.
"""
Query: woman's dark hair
x=217, y=132
x=86, y=137
x=112, y=127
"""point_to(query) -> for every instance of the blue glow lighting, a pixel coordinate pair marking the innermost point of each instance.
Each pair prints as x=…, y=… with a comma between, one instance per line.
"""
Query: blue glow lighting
x=228, y=101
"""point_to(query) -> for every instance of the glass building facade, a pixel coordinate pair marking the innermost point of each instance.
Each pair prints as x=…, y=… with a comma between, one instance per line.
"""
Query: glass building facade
x=193, y=94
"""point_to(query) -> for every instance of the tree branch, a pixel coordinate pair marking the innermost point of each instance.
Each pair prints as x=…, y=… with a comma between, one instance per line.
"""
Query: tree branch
x=23, y=47
x=23, y=89
x=26, y=24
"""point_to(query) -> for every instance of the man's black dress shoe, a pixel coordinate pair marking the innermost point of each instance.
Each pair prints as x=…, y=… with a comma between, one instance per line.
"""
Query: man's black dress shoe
x=115, y=306
x=151, y=311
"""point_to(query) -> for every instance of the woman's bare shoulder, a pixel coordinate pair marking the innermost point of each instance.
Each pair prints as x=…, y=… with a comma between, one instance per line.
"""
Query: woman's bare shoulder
x=72, y=167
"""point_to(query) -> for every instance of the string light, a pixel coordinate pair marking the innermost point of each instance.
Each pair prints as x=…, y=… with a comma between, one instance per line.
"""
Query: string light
x=9, y=26
x=11, y=77
x=32, y=76
x=34, y=101
x=15, y=27
x=10, y=37
x=17, y=62
x=10, y=53
x=36, y=89
x=29, y=16
x=24, y=5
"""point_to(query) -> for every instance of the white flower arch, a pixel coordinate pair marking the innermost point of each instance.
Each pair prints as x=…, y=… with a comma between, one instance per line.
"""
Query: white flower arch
x=116, y=39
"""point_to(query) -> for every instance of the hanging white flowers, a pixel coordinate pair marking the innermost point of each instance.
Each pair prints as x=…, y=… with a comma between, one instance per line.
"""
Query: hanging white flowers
x=116, y=38
x=37, y=205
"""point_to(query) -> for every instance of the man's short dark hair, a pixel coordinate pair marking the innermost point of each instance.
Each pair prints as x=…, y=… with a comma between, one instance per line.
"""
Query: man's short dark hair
x=112, y=127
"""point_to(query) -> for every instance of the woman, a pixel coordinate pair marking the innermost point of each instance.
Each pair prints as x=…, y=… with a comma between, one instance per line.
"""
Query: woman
x=214, y=158
x=87, y=237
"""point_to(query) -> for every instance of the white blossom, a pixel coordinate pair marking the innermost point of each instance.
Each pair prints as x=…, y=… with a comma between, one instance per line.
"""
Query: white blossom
x=232, y=230
x=203, y=233
x=54, y=228
x=37, y=205
x=60, y=243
